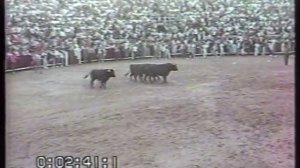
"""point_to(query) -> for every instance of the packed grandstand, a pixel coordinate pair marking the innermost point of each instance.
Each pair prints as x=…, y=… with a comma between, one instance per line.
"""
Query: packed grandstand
x=85, y=30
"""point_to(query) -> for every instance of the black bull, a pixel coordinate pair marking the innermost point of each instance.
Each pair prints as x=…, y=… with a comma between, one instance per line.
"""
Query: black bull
x=100, y=74
x=137, y=70
x=151, y=70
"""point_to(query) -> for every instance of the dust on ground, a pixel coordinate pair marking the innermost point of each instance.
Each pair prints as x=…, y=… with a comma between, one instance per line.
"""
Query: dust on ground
x=227, y=112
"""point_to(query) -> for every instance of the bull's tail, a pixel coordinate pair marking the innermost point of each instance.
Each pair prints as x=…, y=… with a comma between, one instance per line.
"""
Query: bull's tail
x=86, y=76
x=127, y=73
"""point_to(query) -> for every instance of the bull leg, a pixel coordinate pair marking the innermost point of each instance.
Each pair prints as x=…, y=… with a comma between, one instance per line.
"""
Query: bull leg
x=140, y=77
x=150, y=78
x=135, y=77
x=92, y=83
x=154, y=78
x=158, y=77
x=165, y=79
x=146, y=78
x=131, y=76
x=103, y=85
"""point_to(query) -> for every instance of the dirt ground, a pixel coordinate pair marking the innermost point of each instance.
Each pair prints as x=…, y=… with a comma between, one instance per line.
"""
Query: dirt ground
x=229, y=112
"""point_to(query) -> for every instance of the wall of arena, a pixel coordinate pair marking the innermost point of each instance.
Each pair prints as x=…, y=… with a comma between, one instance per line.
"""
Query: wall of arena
x=24, y=62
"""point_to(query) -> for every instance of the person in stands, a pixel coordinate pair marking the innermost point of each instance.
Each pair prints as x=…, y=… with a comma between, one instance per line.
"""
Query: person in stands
x=12, y=58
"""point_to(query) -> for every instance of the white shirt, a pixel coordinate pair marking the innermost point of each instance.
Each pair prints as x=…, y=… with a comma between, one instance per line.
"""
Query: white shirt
x=126, y=45
x=36, y=56
x=162, y=48
x=77, y=50
x=283, y=47
x=205, y=46
x=134, y=48
x=192, y=47
x=257, y=45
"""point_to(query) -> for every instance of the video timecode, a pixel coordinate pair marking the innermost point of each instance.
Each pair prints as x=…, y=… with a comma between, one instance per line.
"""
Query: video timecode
x=76, y=162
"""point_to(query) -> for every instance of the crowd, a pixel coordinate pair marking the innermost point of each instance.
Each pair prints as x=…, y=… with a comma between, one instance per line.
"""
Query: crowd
x=100, y=29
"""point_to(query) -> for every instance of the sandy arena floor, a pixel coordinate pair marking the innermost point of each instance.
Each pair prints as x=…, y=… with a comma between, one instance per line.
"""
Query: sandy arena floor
x=212, y=114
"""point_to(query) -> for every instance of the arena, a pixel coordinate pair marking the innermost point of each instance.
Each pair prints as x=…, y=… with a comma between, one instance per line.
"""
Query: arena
x=229, y=105
x=234, y=111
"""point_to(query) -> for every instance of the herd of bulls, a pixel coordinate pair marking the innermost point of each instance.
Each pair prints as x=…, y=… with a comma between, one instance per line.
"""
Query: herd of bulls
x=143, y=71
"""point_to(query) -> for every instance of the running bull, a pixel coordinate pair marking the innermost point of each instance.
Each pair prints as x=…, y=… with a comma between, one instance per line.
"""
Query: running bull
x=102, y=75
x=137, y=70
x=159, y=70
x=151, y=71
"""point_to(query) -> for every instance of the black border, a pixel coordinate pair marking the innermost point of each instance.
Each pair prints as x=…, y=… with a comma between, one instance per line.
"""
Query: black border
x=2, y=85
x=297, y=71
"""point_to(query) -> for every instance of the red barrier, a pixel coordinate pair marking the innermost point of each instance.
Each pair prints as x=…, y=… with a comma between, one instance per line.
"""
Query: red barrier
x=21, y=62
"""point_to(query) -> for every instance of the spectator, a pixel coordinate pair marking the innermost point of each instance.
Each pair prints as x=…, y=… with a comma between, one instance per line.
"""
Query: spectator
x=192, y=49
x=205, y=48
x=157, y=50
x=78, y=53
x=37, y=62
x=134, y=51
x=12, y=56
x=221, y=46
x=257, y=48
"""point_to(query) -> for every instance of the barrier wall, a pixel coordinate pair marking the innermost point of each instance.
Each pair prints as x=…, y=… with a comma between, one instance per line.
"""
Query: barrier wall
x=24, y=62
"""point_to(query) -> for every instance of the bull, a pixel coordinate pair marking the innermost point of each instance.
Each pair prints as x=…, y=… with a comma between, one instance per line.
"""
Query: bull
x=139, y=70
x=136, y=70
x=102, y=75
x=159, y=70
